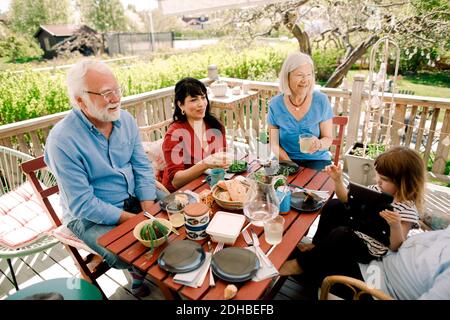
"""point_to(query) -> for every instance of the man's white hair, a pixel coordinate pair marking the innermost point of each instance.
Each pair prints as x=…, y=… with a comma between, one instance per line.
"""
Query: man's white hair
x=76, y=78
x=292, y=62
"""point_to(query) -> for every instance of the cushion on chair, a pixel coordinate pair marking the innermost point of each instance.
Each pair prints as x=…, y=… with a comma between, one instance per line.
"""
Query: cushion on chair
x=66, y=236
x=155, y=154
x=22, y=218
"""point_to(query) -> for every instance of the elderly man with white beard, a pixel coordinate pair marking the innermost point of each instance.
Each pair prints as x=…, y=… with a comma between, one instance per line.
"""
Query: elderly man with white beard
x=97, y=157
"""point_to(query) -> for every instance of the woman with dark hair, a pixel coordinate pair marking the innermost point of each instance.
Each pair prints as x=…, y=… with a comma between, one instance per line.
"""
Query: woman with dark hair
x=195, y=137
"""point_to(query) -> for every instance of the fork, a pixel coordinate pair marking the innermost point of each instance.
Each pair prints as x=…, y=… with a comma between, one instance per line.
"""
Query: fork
x=219, y=247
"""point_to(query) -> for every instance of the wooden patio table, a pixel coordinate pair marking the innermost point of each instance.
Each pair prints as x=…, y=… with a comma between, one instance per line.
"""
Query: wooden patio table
x=121, y=242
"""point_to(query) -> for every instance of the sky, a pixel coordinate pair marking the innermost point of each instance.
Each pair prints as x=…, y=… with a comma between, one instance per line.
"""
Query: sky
x=139, y=4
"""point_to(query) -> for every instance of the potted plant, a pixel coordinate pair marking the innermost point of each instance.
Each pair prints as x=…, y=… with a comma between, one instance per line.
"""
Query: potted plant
x=361, y=157
x=360, y=162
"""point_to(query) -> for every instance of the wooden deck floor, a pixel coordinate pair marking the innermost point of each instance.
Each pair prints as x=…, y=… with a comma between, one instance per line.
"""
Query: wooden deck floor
x=55, y=263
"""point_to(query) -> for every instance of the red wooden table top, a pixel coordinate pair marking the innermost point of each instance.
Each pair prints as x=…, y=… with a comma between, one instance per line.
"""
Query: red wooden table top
x=122, y=242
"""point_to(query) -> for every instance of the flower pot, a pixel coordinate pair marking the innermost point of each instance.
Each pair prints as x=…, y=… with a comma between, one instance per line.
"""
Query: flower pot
x=360, y=169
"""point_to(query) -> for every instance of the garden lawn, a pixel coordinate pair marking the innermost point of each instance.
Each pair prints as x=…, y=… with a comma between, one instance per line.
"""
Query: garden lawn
x=429, y=85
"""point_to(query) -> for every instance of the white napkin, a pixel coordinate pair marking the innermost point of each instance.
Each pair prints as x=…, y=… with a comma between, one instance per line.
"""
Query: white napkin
x=195, y=277
x=264, y=272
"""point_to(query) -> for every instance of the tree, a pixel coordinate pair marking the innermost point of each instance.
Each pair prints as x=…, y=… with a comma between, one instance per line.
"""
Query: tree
x=271, y=18
x=419, y=23
x=353, y=25
x=103, y=15
x=27, y=15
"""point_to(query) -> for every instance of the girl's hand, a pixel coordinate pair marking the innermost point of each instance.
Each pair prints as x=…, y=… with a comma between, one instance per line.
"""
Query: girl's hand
x=335, y=172
x=392, y=218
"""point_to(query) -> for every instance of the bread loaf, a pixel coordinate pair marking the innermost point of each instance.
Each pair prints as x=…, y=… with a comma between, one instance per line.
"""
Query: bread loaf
x=236, y=190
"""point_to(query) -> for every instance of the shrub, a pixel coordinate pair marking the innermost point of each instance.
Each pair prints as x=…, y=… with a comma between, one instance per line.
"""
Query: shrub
x=326, y=62
x=30, y=94
x=18, y=48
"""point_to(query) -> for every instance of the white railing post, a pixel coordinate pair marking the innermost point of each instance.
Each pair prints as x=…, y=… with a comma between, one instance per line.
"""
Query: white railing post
x=355, y=110
x=443, y=146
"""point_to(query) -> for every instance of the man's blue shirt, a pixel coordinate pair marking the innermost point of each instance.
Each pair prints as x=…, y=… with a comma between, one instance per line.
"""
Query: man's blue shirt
x=95, y=175
x=420, y=269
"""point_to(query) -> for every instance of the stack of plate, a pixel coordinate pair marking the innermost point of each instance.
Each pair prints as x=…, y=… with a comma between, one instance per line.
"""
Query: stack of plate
x=235, y=264
x=181, y=256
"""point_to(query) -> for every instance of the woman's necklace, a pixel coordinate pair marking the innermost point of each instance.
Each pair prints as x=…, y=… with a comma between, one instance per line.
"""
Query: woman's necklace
x=297, y=106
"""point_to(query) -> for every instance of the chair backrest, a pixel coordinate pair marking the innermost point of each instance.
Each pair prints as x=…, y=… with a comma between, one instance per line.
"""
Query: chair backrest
x=155, y=131
x=43, y=193
x=152, y=139
x=358, y=287
x=30, y=168
x=340, y=122
x=11, y=176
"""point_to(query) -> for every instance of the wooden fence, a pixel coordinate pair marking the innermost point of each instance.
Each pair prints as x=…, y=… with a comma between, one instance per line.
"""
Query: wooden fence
x=427, y=128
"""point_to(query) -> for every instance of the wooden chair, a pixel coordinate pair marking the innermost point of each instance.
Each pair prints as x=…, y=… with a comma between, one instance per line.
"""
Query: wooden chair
x=340, y=122
x=23, y=224
x=358, y=287
x=152, y=137
x=70, y=241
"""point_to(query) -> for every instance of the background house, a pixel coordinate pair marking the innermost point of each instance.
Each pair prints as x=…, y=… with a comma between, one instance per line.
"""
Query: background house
x=195, y=22
x=49, y=35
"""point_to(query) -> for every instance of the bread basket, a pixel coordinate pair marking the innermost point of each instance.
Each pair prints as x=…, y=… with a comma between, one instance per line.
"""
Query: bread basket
x=219, y=88
x=228, y=205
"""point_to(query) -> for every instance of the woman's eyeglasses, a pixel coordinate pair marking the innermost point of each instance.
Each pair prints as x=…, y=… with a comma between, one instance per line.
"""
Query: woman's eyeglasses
x=109, y=94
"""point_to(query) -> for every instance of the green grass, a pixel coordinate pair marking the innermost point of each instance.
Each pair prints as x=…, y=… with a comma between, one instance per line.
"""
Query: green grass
x=441, y=79
x=423, y=84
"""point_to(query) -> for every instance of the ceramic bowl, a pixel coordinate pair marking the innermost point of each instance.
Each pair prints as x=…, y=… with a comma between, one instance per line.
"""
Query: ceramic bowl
x=147, y=243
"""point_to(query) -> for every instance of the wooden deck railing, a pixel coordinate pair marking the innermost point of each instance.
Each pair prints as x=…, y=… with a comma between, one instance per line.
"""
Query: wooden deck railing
x=425, y=131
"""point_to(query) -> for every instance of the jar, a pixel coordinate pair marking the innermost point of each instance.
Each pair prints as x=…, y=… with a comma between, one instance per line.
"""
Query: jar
x=196, y=216
x=245, y=87
x=212, y=72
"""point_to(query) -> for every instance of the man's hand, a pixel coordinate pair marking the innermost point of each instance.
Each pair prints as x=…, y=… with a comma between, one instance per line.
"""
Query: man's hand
x=147, y=204
x=124, y=216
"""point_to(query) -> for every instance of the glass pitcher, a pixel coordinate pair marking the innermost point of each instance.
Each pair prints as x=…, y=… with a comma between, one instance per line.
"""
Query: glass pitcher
x=261, y=202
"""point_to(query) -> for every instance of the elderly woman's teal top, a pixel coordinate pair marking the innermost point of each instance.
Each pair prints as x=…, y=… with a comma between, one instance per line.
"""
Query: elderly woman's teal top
x=290, y=129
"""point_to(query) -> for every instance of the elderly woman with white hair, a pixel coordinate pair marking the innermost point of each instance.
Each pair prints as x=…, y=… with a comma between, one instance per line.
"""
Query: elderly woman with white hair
x=300, y=110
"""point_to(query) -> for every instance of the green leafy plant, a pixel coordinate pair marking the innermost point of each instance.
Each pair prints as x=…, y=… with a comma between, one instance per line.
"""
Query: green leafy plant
x=238, y=166
x=372, y=151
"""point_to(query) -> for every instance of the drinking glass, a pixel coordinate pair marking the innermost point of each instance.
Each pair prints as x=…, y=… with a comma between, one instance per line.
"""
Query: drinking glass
x=175, y=214
x=273, y=230
x=305, y=141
